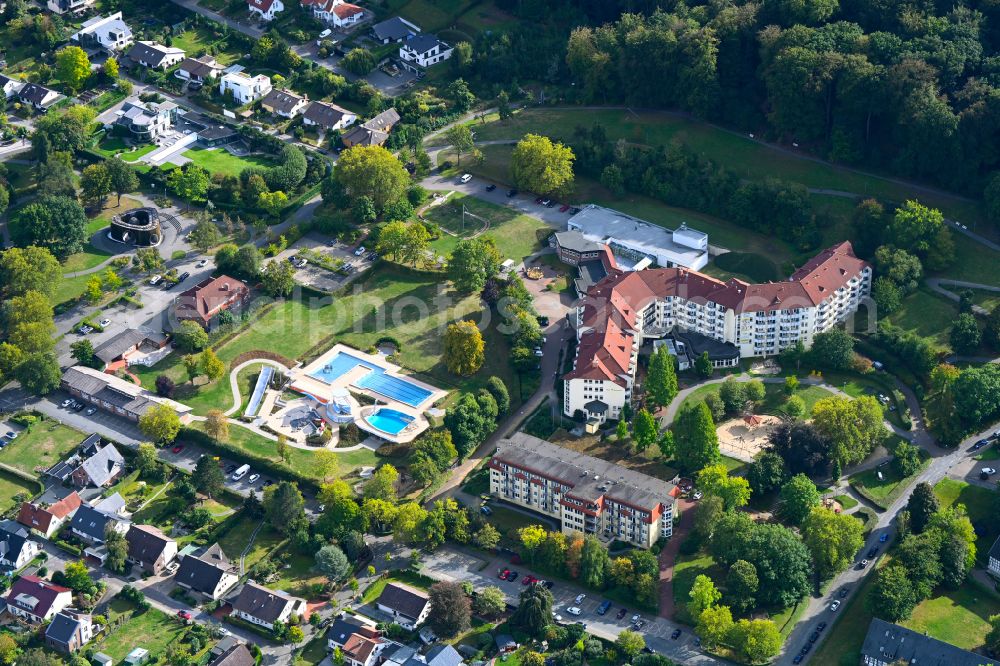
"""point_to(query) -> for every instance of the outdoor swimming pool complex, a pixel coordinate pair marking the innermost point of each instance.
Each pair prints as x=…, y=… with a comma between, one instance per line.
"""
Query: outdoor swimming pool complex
x=389, y=420
x=376, y=380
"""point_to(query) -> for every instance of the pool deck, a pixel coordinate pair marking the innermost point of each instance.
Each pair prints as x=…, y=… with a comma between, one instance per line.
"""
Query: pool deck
x=303, y=381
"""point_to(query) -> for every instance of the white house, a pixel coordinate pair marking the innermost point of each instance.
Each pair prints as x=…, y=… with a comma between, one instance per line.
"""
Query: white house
x=337, y=13
x=9, y=87
x=210, y=574
x=265, y=9
x=16, y=549
x=245, y=88
x=110, y=33
x=199, y=69
x=155, y=56
x=145, y=121
x=259, y=605
x=284, y=103
x=38, y=97
x=408, y=606
x=36, y=600
x=423, y=50
x=69, y=6
x=327, y=117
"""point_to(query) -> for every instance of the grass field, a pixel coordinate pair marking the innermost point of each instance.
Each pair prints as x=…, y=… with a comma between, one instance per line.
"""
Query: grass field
x=515, y=235
x=196, y=41
x=404, y=576
x=981, y=505
x=236, y=539
x=298, y=577
x=885, y=491
x=774, y=397
x=12, y=486
x=959, y=617
x=114, y=145
x=41, y=447
x=218, y=160
x=928, y=315
x=153, y=630
x=686, y=569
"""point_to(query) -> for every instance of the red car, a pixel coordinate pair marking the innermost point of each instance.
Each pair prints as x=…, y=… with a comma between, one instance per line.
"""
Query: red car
x=503, y=574
x=184, y=615
x=563, y=208
x=528, y=580
x=178, y=448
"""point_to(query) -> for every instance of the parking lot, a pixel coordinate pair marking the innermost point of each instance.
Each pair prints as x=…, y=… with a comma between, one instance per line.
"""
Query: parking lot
x=320, y=278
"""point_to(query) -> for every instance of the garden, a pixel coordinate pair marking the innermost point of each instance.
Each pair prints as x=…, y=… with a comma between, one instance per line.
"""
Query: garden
x=40, y=446
x=883, y=485
x=151, y=629
x=516, y=235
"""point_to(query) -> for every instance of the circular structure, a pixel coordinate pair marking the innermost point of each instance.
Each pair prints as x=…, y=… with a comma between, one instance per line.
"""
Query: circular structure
x=338, y=409
x=139, y=227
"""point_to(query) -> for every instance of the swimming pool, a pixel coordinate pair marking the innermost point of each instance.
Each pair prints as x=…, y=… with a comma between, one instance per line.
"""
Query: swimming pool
x=375, y=380
x=389, y=420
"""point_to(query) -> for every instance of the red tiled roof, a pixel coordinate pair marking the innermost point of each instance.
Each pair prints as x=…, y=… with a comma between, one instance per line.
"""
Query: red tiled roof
x=209, y=297
x=40, y=518
x=42, y=590
x=347, y=10
x=359, y=647
x=261, y=5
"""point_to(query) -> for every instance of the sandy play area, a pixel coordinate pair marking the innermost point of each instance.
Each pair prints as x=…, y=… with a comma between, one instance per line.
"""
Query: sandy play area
x=742, y=438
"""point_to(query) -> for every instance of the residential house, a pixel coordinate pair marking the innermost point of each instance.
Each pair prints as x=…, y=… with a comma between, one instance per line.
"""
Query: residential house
x=245, y=88
x=114, y=394
x=408, y=606
x=9, y=87
x=155, y=56
x=91, y=522
x=235, y=654
x=344, y=627
x=16, y=548
x=374, y=132
x=205, y=301
x=395, y=29
x=586, y=494
x=70, y=6
x=139, y=344
x=993, y=568
x=396, y=654
x=443, y=655
x=284, y=103
x=100, y=469
x=150, y=549
x=888, y=644
x=110, y=33
x=69, y=631
x=144, y=121
x=338, y=13
x=423, y=50
x=47, y=519
x=210, y=574
x=265, y=10
x=259, y=605
x=210, y=132
x=35, y=600
x=363, y=648
x=327, y=117
x=37, y=97
x=199, y=69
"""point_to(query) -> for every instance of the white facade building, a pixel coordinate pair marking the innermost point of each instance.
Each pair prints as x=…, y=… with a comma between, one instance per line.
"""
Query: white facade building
x=245, y=88
x=265, y=10
x=423, y=50
x=110, y=32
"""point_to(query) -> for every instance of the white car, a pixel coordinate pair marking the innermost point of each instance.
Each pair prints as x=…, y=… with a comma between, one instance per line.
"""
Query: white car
x=989, y=471
x=323, y=35
x=556, y=616
x=466, y=177
x=65, y=403
x=835, y=605
x=91, y=411
x=105, y=322
x=360, y=251
x=253, y=478
x=573, y=610
x=155, y=280
x=579, y=598
x=201, y=264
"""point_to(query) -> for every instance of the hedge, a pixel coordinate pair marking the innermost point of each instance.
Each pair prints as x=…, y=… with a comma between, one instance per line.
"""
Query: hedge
x=242, y=455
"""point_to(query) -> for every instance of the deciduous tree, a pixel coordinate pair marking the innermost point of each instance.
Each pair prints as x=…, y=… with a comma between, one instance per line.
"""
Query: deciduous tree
x=451, y=610
x=374, y=172
x=832, y=539
x=697, y=444
x=661, y=382
x=72, y=67
x=217, y=425
x=798, y=497
x=464, y=348
x=539, y=165
x=472, y=263
x=332, y=563
x=160, y=423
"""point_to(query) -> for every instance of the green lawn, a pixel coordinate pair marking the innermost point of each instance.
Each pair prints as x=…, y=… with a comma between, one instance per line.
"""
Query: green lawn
x=959, y=617
x=404, y=576
x=981, y=505
x=846, y=501
x=974, y=263
x=153, y=630
x=10, y=487
x=313, y=653
x=41, y=447
x=236, y=539
x=196, y=41
x=298, y=577
x=686, y=569
x=220, y=161
x=507, y=520
x=516, y=235
x=114, y=145
x=928, y=315
x=885, y=491
x=774, y=397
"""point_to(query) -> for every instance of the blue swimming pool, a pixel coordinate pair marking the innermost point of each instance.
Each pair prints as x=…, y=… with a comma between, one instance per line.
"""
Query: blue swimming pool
x=375, y=380
x=389, y=420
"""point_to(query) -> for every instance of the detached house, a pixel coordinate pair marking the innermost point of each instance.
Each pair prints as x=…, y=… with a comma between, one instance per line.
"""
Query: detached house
x=206, y=300
x=69, y=631
x=364, y=648
x=35, y=600
x=266, y=10
x=344, y=627
x=110, y=33
x=99, y=469
x=374, y=132
x=91, y=521
x=337, y=13
x=423, y=50
x=16, y=548
x=210, y=574
x=155, y=56
x=327, y=117
x=38, y=97
x=284, y=103
x=9, y=87
x=263, y=607
x=46, y=520
x=395, y=29
x=145, y=121
x=199, y=69
x=69, y=6
x=235, y=654
x=245, y=88
x=150, y=549
x=408, y=606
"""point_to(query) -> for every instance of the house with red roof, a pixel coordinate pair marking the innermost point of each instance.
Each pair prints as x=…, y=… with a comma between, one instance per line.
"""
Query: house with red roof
x=35, y=600
x=337, y=13
x=265, y=10
x=46, y=519
x=209, y=298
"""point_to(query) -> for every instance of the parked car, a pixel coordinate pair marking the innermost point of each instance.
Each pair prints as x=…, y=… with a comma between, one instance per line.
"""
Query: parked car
x=835, y=605
x=798, y=659
x=253, y=478
x=573, y=610
x=183, y=276
x=676, y=634
x=547, y=202
x=538, y=200
x=485, y=510
x=843, y=592
x=989, y=471
x=863, y=563
x=872, y=552
x=696, y=495
x=883, y=538
x=622, y=612
x=90, y=411
x=639, y=625
x=491, y=187
x=155, y=280
x=503, y=574
x=542, y=320
x=550, y=204
x=78, y=407
x=65, y=403
x=548, y=584
x=980, y=444
x=360, y=251
x=579, y=598
x=813, y=637
x=821, y=626
x=105, y=322
x=178, y=448
x=10, y=434
x=511, y=193
x=603, y=608
x=268, y=483
x=466, y=177
x=512, y=576
x=184, y=615
x=563, y=208
x=85, y=330
x=231, y=468
x=805, y=648
x=202, y=263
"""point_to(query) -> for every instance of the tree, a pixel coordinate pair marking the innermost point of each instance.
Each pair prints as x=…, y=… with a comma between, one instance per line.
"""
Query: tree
x=8, y=650
x=382, y=485
x=38, y=373
x=359, y=61
x=891, y=597
x=629, y=643
x=217, y=425
x=965, y=335
x=766, y=472
x=110, y=68
x=921, y=231
x=95, y=184
x=146, y=459
x=539, y=165
x=733, y=490
x=922, y=505
x=451, y=611
x=72, y=67
x=472, y=263
x=758, y=640
x=458, y=92
x=28, y=269
x=703, y=365
x=906, y=459
x=205, y=234
x=661, y=381
x=798, y=497
x=594, y=562
x=83, y=351
x=853, y=427
x=278, y=278
x=832, y=539
x=284, y=507
x=190, y=336
x=327, y=463
x=645, y=429
x=498, y=390
x=703, y=595
x=190, y=182
x=463, y=348
x=374, y=172
x=160, y=423
x=211, y=366
x=742, y=585
x=207, y=477
x=117, y=547
x=460, y=139
x=714, y=625
x=332, y=563
x=534, y=611
x=795, y=406
x=487, y=537
x=54, y=222
x=707, y=514
x=490, y=602
x=697, y=443
x=832, y=350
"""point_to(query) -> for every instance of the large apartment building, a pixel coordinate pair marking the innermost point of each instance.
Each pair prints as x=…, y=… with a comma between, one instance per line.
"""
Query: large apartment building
x=731, y=319
x=585, y=494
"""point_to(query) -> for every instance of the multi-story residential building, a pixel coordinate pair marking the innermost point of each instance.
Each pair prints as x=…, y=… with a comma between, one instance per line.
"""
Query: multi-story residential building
x=145, y=121
x=245, y=88
x=423, y=50
x=585, y=494
x=155, y=56
x=338, y=13
x=110, y=32
x=729, y=319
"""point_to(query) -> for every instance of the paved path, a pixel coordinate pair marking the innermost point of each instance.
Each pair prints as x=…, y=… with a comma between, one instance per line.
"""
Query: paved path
x=940, y=286
x=669, y=555
x=234, y=383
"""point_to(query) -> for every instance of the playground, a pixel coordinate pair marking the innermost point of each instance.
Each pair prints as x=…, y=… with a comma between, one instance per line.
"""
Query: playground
x=742, y=438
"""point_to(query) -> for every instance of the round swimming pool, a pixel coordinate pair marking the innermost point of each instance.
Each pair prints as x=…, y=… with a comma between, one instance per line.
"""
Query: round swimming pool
x=389, y=420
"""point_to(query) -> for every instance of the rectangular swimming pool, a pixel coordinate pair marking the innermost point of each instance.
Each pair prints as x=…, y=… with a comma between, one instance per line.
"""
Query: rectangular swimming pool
x=376, y=380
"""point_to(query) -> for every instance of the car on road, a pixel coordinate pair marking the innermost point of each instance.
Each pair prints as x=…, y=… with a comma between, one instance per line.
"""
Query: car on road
x=178, y=448
x=466, y=177
x=863, y=563
x=573, y=610
x=821, y=626
x=989, y=471
x=105, y=322
x=603, y=608
x=622, y=612
x=253, y=478
x=202, y=263
x=360, y=251
x=883, y=538
x=512, y=576
x=563, y=208
x=872, y=552
x=835, y=605
x=65, y=403
x=90, y=411
x=813, y=637
x=503, y=574
x=485, y=510
x=676, y=634
x=843, y=592
x=155, y=280
x=528, y=579
x=579, y=598
x=491, y=187
x=184, y=615
x=980, y=444
x=10, y=434
x=511, y=193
